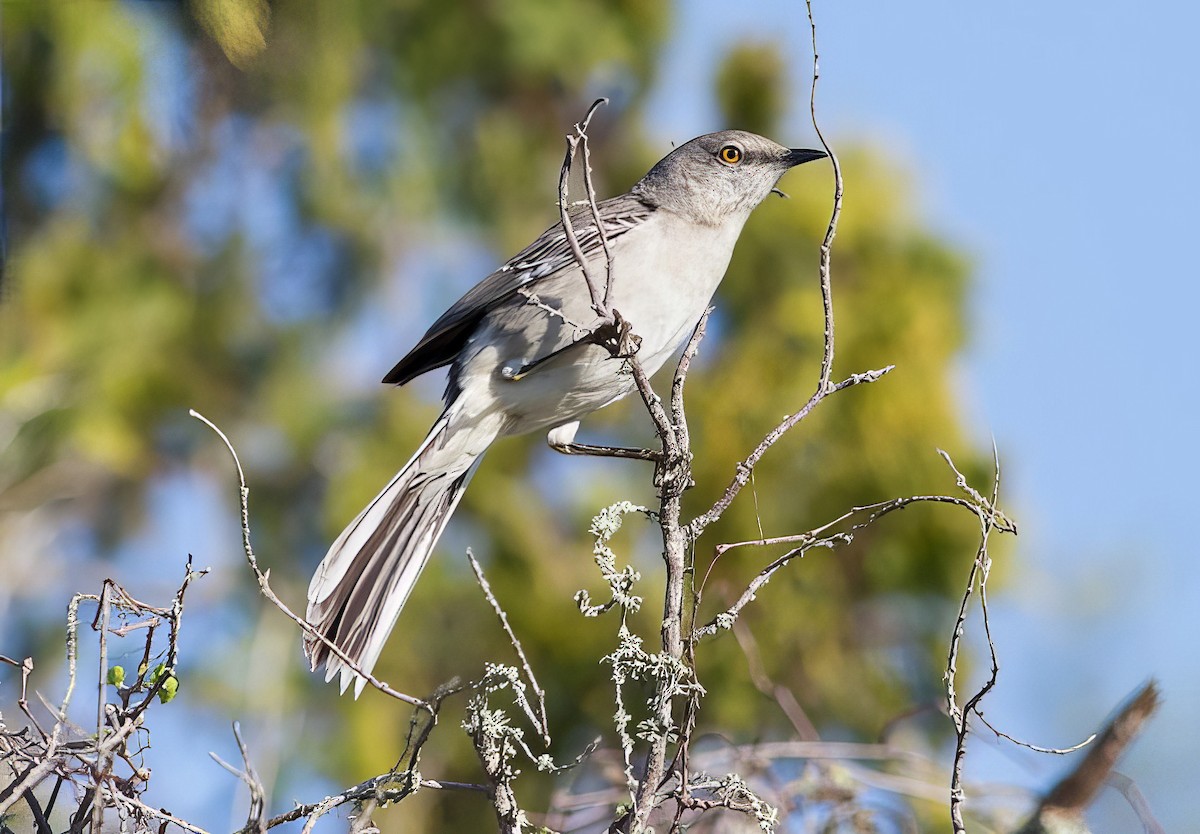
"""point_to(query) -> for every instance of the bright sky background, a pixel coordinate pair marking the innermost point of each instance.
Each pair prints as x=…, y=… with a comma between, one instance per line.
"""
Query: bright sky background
x=1057, y=143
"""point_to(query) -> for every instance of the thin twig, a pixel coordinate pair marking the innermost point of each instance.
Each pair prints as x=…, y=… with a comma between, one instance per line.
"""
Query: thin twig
x=157, y=813
x=746, y=466
x=265, y=586
x=678, y=415
x=824, y=385
x=831, y=229
x=672, y=476
x=255, y=824
x=541, y=721
x=1055, y=751
x=815, y=538
x=599, y=304
x=590, y=190
x=980, y=570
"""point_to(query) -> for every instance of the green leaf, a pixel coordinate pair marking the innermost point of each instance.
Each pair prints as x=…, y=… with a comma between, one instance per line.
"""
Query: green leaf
x=170, y=687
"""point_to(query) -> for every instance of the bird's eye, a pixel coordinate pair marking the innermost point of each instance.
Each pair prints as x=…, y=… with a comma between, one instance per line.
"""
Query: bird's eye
x=730, y=154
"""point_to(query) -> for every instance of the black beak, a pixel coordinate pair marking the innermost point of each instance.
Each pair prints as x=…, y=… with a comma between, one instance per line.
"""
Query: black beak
x=798, y=156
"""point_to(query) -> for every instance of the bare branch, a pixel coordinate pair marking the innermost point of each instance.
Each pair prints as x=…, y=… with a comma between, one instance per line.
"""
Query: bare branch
x=815, y=538
x=264, y=584
x=742, y=477
x=980, y=570
x=1056, y=751
x=540, y=720
x=831, y=229
x=255, y=823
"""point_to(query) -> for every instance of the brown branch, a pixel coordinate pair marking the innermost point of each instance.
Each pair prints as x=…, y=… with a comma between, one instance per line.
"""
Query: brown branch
x=672, y=475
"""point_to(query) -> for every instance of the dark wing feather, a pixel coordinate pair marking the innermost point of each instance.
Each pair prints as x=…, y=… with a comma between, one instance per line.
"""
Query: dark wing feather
x=546, y=256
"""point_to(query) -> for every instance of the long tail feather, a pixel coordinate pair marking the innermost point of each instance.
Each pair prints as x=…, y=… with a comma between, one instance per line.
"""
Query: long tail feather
x=364, y=580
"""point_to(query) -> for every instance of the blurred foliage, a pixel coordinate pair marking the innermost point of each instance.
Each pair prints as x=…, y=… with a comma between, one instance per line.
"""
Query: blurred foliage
x=235, y=210
x=751, y=87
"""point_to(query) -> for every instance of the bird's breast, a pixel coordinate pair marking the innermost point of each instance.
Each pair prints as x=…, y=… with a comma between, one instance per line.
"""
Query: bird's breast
x=530, y=358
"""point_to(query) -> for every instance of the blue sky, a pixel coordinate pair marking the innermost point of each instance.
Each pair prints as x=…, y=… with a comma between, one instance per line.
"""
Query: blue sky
x=1055, y=142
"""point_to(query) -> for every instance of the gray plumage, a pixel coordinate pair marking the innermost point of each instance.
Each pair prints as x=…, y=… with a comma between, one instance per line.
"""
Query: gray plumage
x=518, y=363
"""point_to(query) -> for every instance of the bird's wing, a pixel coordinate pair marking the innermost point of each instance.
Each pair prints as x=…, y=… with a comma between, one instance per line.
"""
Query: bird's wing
x=546, y=256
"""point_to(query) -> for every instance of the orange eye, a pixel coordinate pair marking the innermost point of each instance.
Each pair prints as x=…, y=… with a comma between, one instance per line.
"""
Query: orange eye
x=730, y=154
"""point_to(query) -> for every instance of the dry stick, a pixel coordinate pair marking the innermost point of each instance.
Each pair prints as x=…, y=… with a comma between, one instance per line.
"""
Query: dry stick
x=590, y=191
x=364, y=791
x=676, y=542
x=157, y=813
x=49, y=762
x=831, y=229
x=744, y=468
x=255, y=824
x=540, y=721
x=678, y=417
x=26, y=667
x=813, y=539
x=824, y=387
x=981, y=568
x=103, y=762
x=680, y=764
x=92, y=759
x=1054, y=751
x=599, y=300
x=265, y=587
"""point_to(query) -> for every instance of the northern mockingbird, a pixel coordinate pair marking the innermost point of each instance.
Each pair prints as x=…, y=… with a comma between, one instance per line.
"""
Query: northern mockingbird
x=520, y=361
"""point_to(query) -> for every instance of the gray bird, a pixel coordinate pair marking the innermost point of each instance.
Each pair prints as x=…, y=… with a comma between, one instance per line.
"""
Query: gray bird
x=520, y=361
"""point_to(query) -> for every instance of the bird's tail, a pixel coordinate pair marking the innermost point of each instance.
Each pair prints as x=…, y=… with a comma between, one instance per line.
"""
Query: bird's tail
x=365, y=578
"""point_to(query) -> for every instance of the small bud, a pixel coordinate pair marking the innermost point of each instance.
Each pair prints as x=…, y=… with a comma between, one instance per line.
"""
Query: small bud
x=170, y=687
x=116, y=675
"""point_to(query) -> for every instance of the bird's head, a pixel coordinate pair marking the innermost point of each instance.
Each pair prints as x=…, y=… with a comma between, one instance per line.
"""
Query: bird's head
x=719, y=177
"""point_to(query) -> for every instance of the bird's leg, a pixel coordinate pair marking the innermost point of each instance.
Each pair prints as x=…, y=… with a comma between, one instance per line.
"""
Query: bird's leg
x=616, y=336
x=606, y=451
x=562, y=440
